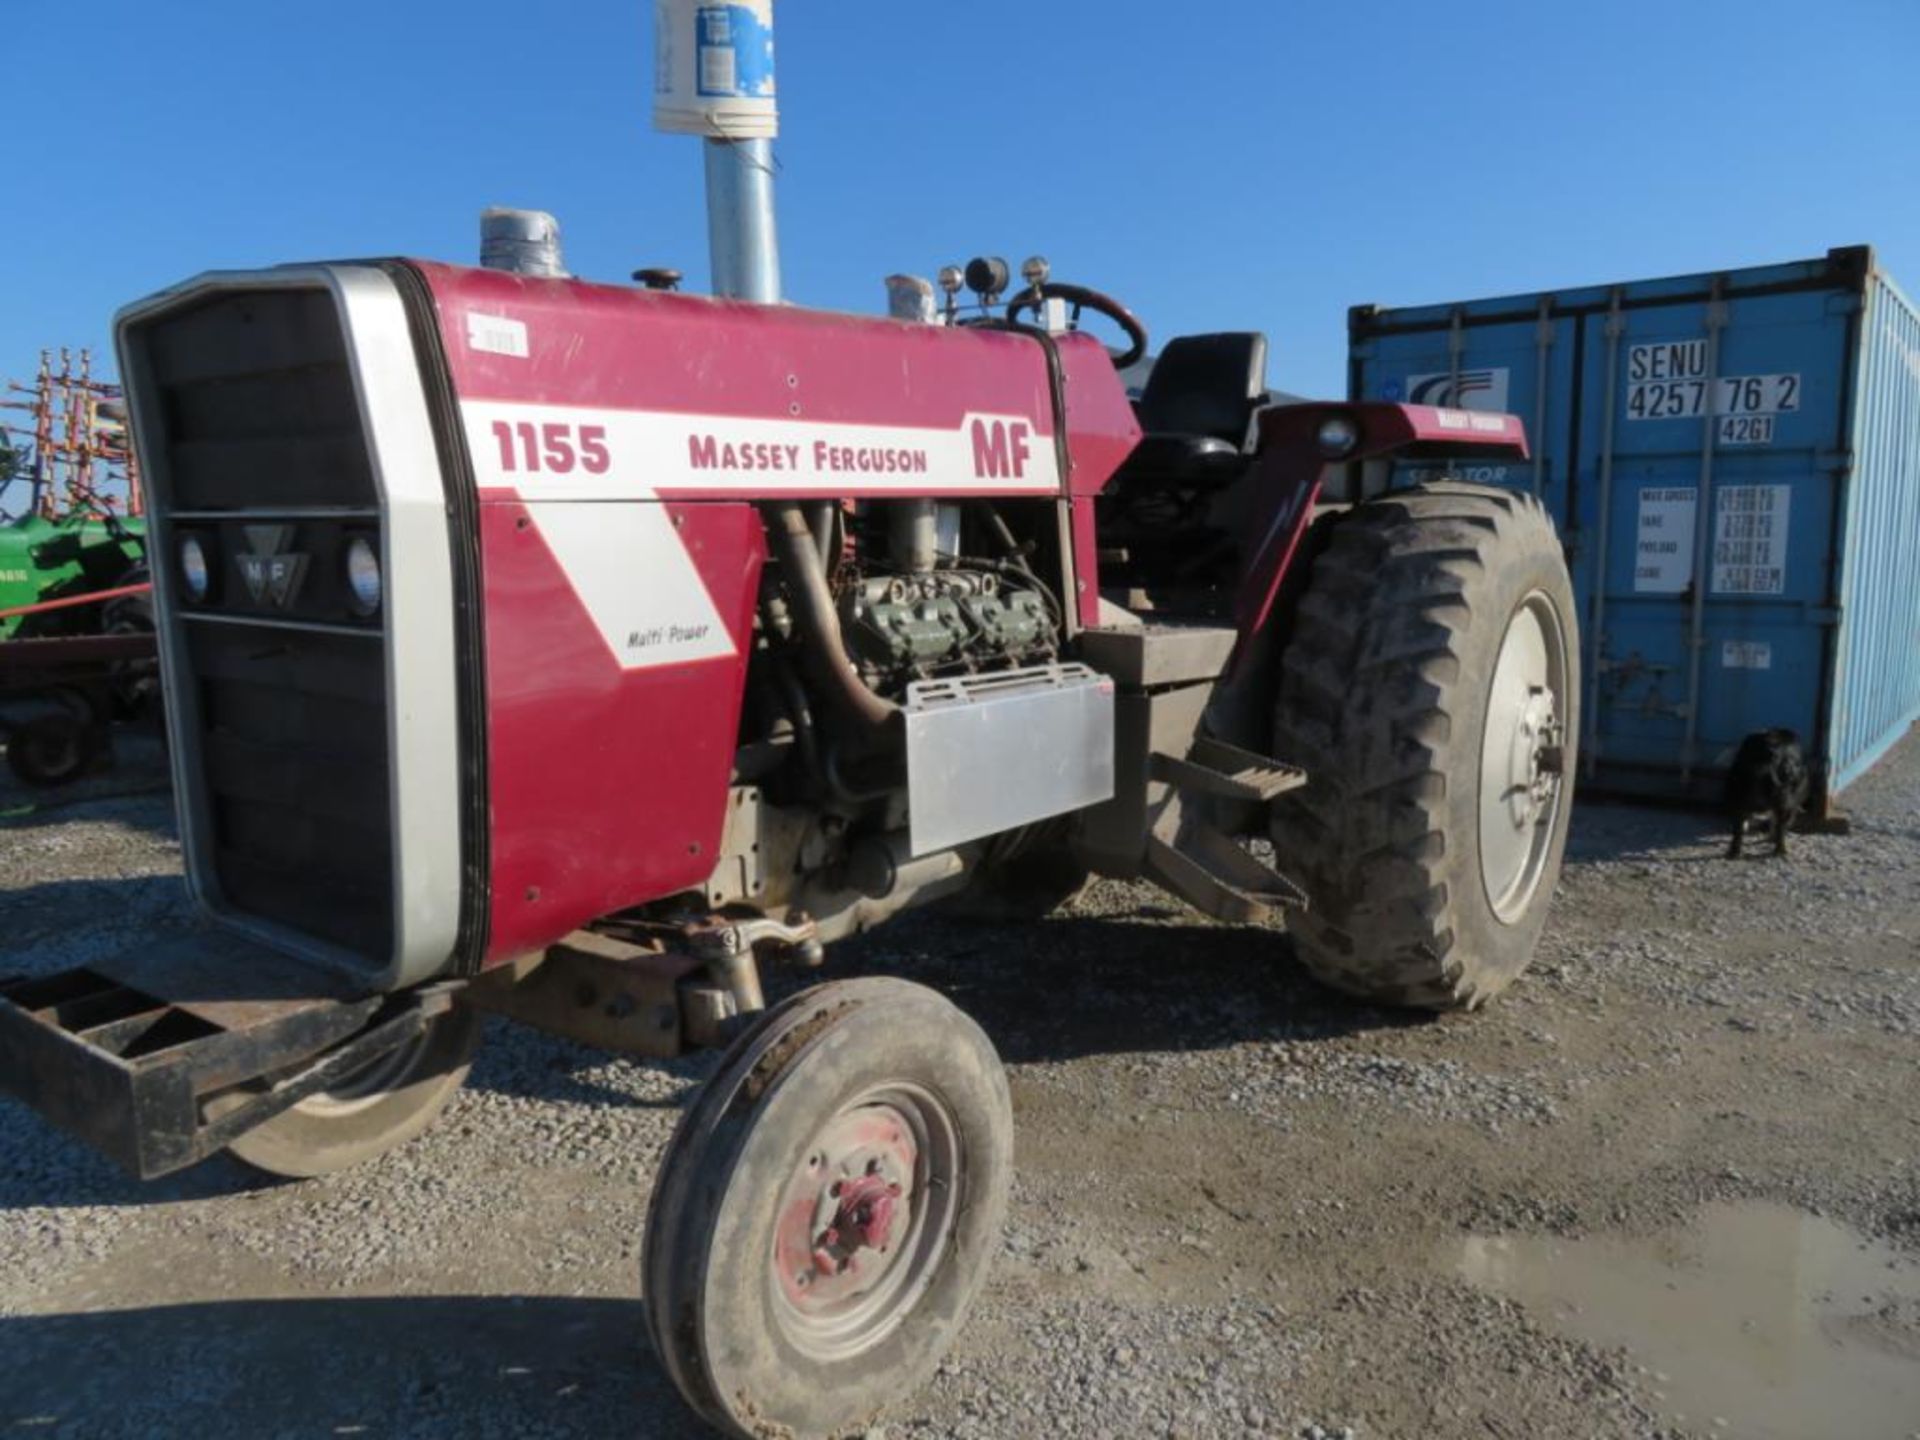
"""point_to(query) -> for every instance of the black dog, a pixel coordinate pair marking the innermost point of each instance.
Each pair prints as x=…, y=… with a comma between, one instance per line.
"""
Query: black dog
x=1769, y=777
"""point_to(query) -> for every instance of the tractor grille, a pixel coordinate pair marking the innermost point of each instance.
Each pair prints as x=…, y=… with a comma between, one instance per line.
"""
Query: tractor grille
x=281, y=690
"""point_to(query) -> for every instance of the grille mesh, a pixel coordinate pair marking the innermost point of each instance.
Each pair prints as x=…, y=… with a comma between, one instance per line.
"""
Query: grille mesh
x=261, y=435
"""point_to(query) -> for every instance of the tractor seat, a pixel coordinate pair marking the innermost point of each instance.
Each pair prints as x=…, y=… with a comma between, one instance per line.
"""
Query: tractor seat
x=1196, y=409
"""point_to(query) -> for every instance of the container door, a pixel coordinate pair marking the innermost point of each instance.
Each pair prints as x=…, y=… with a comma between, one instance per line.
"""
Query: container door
x=1754, y=424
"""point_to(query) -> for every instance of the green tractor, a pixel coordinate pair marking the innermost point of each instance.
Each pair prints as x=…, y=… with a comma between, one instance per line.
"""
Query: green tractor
x=45, y=560
x=71, y=664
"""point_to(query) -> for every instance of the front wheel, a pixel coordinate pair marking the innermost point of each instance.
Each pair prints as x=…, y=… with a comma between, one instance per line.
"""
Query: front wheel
x=385, y=1103
x=1431, y=690
x=827, y=1209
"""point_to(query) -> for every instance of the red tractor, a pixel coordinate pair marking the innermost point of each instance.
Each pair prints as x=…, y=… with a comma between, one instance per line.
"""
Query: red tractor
x=572, y=652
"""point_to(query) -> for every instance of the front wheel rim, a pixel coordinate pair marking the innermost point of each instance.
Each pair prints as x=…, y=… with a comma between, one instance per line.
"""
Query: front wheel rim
x=362, y=1088
x=1523, y=756
x=865, y=1220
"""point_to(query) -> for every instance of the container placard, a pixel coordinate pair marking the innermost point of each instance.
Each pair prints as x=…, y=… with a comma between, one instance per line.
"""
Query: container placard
x=1669, y=381
x=1750, y=539
x=1746, y=654
x=1745, y=430
x=1663, y=559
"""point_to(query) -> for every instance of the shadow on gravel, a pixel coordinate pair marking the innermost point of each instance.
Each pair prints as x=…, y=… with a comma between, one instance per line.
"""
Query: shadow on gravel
x=1620, y=830
x=135, y=791
x=450, y=1366
x=532, y=1065
x=1075, y=985
x=62, y=923
x=46, y=1167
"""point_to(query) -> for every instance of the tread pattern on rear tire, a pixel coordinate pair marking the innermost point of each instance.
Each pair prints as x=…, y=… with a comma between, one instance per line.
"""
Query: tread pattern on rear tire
x=1369, y=688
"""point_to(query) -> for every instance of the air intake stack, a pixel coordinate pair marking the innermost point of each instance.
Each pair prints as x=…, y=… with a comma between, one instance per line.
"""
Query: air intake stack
x=526, y=242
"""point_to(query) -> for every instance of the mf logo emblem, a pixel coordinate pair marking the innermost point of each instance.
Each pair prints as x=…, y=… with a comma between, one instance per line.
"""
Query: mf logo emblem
x=1000, y=450
x=272, y=573
x=1472, y=390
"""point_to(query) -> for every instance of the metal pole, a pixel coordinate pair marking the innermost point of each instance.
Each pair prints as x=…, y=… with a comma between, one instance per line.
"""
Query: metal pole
x=743, y=244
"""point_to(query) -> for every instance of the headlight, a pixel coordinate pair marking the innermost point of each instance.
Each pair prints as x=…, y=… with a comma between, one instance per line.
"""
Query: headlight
x=363, y=575
x=1337, y=436
x=196, y=576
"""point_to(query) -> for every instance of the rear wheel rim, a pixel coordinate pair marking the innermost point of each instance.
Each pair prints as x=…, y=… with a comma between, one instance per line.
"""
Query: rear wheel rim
x=865, y=1220
x=1522, y=756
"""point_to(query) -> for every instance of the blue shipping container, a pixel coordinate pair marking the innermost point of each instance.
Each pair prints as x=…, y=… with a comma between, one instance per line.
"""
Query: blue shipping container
x=1758, y=429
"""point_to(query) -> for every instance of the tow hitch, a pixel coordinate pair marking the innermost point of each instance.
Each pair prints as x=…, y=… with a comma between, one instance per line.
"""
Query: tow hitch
x=161, y=1058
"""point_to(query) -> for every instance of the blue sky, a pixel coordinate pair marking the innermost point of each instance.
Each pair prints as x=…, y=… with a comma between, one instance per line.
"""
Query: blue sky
x=1223, y=165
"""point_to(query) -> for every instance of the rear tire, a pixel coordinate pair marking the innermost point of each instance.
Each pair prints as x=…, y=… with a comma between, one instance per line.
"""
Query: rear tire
x=389, y=1102
x=827, y=1209
x=1431, y=691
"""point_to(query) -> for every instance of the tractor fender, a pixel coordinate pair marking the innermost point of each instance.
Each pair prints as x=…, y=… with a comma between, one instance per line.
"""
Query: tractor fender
x=1292, y=474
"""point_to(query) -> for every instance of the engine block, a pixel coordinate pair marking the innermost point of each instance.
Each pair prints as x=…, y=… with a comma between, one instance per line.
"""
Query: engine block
x=901, y=628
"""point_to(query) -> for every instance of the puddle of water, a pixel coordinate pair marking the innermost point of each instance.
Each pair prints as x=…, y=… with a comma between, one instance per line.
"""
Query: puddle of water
x=1776, y=1323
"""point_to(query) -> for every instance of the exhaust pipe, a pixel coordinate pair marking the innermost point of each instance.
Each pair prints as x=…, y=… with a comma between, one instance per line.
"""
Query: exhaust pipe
x=823, y=651
x=736, y=120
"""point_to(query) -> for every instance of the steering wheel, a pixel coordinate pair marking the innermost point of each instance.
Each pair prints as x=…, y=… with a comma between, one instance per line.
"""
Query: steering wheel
x=1079, y=297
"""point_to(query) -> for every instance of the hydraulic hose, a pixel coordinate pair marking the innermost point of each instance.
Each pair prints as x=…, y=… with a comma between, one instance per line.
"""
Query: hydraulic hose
x=823, y=653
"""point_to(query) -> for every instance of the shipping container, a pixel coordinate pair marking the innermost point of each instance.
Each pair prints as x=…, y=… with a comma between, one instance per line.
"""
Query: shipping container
x=1756, y=428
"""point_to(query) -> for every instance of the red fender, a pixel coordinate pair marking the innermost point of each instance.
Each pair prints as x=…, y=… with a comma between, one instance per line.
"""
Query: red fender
x=1290, y=469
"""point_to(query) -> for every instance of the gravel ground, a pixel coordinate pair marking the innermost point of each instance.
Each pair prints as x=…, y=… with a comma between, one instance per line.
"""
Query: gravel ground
x=1240, y=1205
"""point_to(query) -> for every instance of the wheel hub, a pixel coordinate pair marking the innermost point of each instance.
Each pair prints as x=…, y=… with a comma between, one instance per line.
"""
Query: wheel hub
x=845, y=1207
x=862, y=1220
x=1531, y=780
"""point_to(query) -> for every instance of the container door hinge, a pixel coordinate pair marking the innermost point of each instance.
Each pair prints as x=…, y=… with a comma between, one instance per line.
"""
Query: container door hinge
x=1824, y=614
x=1835, y=462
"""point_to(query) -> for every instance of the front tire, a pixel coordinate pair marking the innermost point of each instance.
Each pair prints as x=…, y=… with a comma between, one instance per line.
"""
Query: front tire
x=1431, y=691
x=386, y=1103
x=827, y=1210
